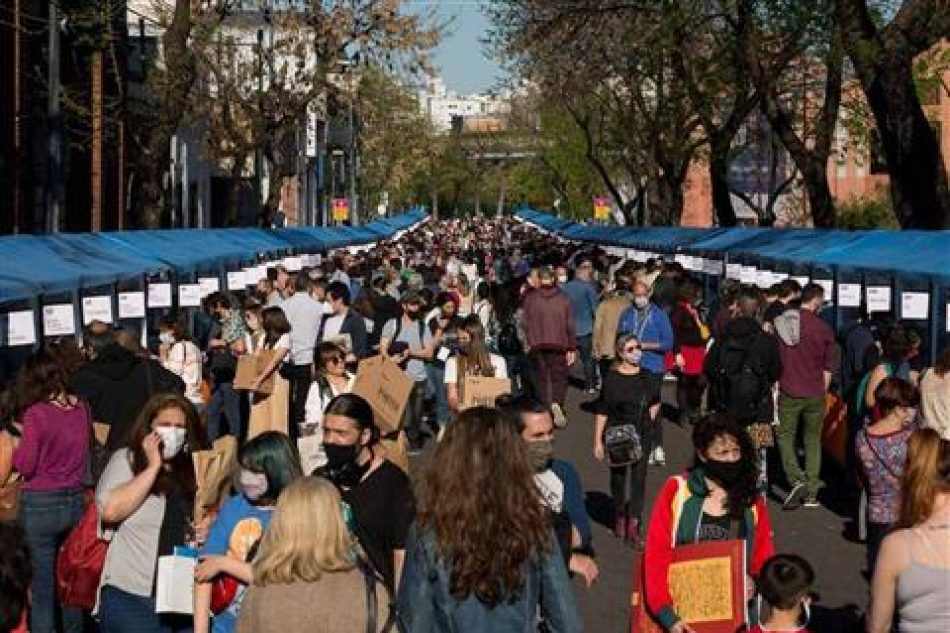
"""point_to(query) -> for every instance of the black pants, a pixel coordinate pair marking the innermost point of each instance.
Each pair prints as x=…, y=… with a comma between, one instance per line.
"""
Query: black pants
x=412, y=416
x=630, y=501
x=300, y=377
x=689, y=397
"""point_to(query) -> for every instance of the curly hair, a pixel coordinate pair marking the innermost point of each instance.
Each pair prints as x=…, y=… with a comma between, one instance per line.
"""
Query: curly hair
x=714, y=426
x=479, y=500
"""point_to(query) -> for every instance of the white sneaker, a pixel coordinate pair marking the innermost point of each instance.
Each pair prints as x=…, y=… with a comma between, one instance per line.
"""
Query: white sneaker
x=560, y=420
x=658, y=457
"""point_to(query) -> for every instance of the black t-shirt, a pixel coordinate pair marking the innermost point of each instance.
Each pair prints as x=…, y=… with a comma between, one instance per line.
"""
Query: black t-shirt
x=625, y=398
x=712, y=528
x=384, y=509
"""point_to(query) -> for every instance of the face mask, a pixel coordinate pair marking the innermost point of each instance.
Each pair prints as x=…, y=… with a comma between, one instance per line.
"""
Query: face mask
x=562, y=279
x=341, y=467
x=541, y=454
x=166, y=338
x=634, y=357
x=726, y=474
x=641, y=302
x=173, y=439
x=253, y=485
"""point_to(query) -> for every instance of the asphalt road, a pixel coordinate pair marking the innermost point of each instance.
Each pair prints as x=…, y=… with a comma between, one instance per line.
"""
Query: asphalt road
x=818, y=534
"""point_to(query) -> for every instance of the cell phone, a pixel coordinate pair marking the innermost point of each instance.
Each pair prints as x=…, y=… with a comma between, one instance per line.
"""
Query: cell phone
x=398, y=347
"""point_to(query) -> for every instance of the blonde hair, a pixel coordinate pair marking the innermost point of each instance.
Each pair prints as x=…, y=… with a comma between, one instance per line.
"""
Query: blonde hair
x=306, y=537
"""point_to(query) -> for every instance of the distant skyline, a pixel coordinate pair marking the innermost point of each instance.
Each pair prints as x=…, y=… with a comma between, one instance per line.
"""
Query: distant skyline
x=461, y=59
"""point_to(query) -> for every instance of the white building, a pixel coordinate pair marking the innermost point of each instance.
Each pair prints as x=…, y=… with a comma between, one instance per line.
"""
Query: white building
x=441, y=104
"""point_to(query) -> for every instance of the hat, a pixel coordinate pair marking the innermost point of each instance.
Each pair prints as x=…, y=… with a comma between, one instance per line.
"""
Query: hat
x=411, y=296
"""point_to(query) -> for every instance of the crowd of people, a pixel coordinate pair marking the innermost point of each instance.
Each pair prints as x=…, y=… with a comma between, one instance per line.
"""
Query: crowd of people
x=463, y=518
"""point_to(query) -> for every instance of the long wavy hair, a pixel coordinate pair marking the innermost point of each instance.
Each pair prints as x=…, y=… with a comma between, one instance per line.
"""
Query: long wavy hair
x=307, y=536
x=479, y=500
x=926, y=475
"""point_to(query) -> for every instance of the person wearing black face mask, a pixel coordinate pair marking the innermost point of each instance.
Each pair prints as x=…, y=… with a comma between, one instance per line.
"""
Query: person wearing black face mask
x=378, y=492
x=558, y=482
x=715, y=500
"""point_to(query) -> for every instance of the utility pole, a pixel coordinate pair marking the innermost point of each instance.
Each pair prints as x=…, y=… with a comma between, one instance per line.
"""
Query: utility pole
x=17, y=184
x=96, y=168
x=54, y=156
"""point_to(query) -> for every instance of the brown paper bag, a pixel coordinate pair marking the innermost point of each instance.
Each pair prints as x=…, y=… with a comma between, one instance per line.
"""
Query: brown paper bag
x=250, y=366
x=386, y=388
x=480, y=391
x=212, y=468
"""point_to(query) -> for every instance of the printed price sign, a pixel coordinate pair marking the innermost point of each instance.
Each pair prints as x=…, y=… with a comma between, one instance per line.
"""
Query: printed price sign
x=160, y=295
x=915, y=305
x=96, y=309
x=849, y=295
x=878, y=298
x=21, y=328
x=131, y=305
x=58, y=320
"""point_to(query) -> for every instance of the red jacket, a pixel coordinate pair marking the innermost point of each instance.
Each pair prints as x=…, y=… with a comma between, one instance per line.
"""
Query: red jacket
x=549, y=320
x=675, y=521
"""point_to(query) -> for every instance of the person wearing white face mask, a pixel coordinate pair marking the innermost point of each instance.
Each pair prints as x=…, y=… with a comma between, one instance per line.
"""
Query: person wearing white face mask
x=623, y=435
x=145, y=499
x=266, y=465
x=181, y=356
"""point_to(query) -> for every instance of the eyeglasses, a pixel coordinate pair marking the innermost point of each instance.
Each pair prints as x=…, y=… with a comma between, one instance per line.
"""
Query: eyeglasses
x=630, y=350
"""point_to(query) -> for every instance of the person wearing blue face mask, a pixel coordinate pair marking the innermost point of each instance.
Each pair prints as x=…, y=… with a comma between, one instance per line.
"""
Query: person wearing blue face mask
x=623, y=435
x=266, y=465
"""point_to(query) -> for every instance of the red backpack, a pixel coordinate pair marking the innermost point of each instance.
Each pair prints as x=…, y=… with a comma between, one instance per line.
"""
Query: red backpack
x=80, y=561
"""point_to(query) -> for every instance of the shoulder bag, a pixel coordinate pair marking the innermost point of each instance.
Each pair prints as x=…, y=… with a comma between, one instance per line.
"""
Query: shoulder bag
x=622, y=441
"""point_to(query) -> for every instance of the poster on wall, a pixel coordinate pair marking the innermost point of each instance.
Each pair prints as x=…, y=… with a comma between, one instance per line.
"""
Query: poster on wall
x=878, y=298
x=58, y=320
x=849, y=295
x=21, y=328
x=208, y=285
x=96, y=309
x=131, y=305
x=189, y=296
x=915, y=305
x=160, y=295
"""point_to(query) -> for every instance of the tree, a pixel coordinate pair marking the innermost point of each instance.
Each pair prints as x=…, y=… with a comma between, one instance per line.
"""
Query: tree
x=883, y=58
x=302, y=63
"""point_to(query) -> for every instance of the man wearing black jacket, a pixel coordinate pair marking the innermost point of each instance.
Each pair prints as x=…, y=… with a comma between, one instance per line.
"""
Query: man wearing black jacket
x=344, y=321
x=742, y=367
x=116, y=383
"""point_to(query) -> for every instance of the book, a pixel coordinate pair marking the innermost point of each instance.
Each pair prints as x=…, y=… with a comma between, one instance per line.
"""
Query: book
x=708, y=585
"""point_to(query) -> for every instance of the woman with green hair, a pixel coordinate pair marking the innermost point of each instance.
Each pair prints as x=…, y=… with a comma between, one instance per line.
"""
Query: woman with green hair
x=266, y=465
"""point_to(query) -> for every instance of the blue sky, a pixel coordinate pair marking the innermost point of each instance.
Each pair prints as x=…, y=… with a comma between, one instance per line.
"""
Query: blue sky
x=461, y=58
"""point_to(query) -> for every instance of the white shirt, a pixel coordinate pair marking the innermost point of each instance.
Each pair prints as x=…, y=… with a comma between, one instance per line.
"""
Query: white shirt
x=303, y=312
x=184, y=360
x=331, y=327
x=315, y=406
x=451, y=368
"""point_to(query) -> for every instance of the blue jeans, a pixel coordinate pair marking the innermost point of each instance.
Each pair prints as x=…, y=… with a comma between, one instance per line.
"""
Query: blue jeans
x=47, y=518
x=225, y=403
x=437, y=386
x=585, y=349
x=123, y=612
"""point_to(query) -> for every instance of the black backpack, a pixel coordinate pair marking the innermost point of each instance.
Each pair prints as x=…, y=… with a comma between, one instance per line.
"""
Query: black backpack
x=739, y=385
x=508, y=343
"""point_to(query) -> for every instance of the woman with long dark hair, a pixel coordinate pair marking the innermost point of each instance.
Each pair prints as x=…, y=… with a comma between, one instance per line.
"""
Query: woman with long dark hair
x=914, y=561
x=272, y=333
x=146, y=499
x=687, y=356
x=716, y=499
x=482, y=556
x=51, y=456
x=881, y=450
x=471, y=359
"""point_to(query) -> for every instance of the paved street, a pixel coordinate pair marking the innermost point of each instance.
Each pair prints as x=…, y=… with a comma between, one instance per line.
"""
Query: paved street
x=816, y=534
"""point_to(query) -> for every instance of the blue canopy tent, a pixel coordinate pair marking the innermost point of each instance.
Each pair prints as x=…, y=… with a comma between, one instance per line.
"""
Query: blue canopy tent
x=61, y=267
x=905, y=261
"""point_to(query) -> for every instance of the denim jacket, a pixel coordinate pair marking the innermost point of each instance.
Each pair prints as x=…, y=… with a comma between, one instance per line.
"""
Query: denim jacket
x=427, y=605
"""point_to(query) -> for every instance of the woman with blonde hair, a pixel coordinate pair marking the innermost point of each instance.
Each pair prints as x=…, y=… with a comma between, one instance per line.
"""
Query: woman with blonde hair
x=914, y=561
x=306, y=576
